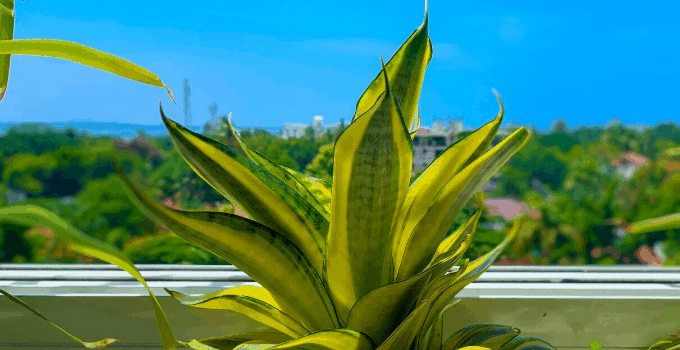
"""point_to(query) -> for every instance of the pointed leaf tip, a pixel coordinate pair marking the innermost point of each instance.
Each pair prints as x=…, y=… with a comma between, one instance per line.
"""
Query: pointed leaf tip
x=170, y=93
x=384, y=71
x=500, y=102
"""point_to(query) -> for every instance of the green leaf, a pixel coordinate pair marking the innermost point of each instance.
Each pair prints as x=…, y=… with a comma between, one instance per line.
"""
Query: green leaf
x=491, y=336
x=405, y=334
x=260, y=252
x=594, y=345
x=256, y=192
x=230, y=342
x=98, y=344
x=393, y=302
x=373, y=161
x=527, y=343
x=255, y=302
x=319, y=188
x=405, y=71
x=454, y=246
x=277, y=170
x=431, y=227
x=29, y=215
x=332, y=339
x=454, y=283
x=83, y=55
x=433, y=336
x=426, y=187
x=435, y=284
x=6, y=33
x=668, y=222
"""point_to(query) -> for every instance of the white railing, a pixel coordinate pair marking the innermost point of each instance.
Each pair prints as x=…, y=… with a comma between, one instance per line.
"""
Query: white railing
x=622, y=307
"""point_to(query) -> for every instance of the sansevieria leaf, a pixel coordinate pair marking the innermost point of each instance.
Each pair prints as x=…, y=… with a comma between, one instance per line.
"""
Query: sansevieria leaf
x=454, y=283
x=30, y=215
x=431, y=228
x=6, y=33
x=83, y=55
x=393, y=302
x=527, y=343
x=332, y=339
x=491, y=336
x=371, y=174
x=319, y=188
x=251, y=301
x=257, y=250
x=256, y=192
x=277, y=170
x=457, y=243
x=668, y=222
x=97, y=344
x=405, y=71
x=426, y=187
x=232, y=341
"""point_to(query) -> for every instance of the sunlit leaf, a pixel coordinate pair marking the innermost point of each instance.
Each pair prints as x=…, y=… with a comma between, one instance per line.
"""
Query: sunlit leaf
x=668, y=222
x=83, y=55
x=255, y=249
x=254, y=302
x=32, y=216
x=432, y=226
x=256, y=192
x=6, y=33
x=373, y=161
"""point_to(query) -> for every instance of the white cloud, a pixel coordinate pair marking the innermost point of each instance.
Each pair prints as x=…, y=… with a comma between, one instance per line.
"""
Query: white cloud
x=511, y=31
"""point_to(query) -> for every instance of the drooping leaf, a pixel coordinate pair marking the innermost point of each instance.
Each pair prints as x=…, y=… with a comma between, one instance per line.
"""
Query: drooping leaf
x=491, y=336
x=97, y=344
x=431, y=228
x=373, y=161
x=256, y=192
x=83, y=55
x=249, y=301
x=255, y=249
x=6, y=33
x=426, y=187
x=230, y=342
x=250, y=291
x=405, y=71
x=277, y=170
x=29, y=215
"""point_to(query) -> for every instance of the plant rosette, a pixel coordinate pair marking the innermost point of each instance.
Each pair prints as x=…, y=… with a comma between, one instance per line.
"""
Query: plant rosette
x=368, y=252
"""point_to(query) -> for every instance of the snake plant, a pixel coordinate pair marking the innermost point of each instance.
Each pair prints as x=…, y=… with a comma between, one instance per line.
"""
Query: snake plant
x=362, y=263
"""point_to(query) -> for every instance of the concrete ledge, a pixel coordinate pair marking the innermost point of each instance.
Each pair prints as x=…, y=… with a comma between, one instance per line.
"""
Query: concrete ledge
x=621, y=307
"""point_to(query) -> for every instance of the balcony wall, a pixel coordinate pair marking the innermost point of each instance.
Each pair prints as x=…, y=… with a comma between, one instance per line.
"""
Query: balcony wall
x=622, y=307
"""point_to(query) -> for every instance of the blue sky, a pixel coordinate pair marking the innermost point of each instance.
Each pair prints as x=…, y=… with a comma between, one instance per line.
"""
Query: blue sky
x=275, y=62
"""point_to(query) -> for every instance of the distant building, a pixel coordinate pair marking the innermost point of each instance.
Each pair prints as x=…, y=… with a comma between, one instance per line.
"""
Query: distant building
x=298, y=130
x=428, y=143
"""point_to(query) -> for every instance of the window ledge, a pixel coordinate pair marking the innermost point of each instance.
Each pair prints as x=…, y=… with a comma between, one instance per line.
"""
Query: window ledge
x=620, y=306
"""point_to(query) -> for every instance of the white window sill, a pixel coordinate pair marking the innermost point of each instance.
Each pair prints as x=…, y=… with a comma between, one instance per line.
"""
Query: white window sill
x=620, y=306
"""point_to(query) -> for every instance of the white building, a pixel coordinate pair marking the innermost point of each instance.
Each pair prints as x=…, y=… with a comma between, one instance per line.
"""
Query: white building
x=298, y=130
